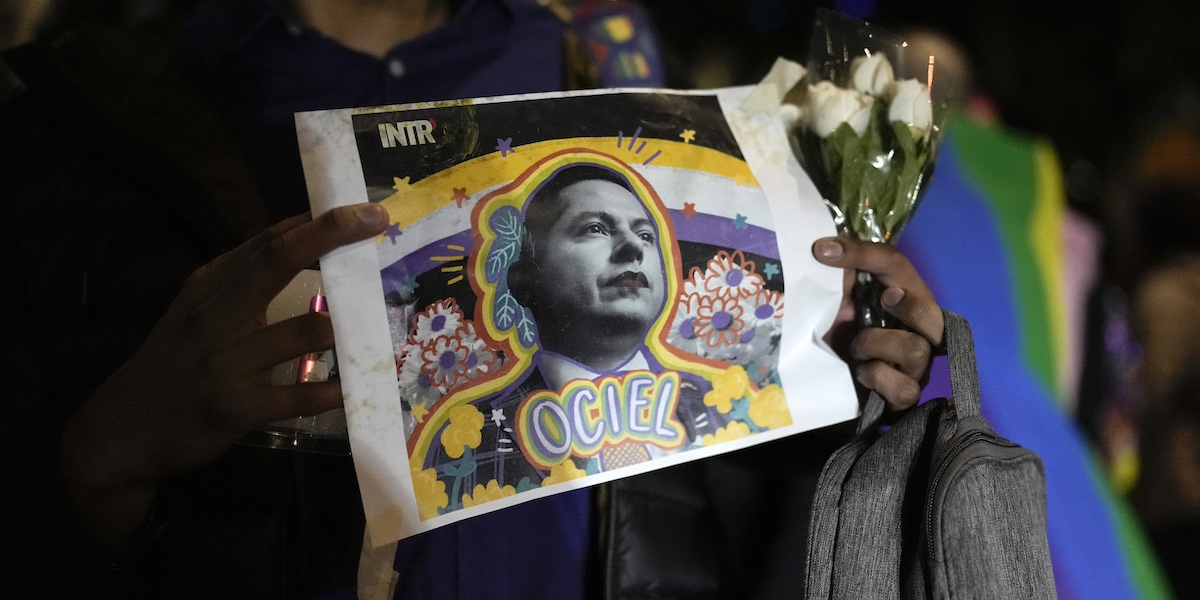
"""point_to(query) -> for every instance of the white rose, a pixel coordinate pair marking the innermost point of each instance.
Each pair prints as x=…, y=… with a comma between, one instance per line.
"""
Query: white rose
x=832, y=106
x=817, y=95
x=910, y=104
x=871, y=74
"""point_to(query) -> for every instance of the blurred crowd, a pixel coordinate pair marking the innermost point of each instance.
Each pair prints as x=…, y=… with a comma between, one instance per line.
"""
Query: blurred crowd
x=1115, y=88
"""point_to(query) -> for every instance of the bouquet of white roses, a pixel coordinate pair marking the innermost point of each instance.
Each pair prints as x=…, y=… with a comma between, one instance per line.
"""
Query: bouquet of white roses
x=867, y=138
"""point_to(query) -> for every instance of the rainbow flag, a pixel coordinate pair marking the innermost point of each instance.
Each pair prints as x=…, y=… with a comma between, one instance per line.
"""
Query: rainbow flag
x=987, y=239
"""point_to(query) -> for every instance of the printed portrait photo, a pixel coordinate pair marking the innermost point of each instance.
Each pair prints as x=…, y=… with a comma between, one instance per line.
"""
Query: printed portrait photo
x=570, y=298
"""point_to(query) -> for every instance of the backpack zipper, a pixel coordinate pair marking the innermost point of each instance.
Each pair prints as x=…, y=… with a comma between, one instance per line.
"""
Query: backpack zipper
x=944, y=464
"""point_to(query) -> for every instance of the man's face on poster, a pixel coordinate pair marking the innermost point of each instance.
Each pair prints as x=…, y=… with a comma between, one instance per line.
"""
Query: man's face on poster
x=600, y=260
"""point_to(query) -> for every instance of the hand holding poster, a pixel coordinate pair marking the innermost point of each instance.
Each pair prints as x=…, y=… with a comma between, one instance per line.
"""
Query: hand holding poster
x=574, y=288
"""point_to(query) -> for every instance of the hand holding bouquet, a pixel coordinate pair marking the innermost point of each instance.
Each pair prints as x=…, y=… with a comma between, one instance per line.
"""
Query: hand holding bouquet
x=867, y=138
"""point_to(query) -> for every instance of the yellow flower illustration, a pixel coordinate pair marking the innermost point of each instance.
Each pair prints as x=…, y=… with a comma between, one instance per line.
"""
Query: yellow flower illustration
x=419, y=411
x=769, y=408
x=481, y=494
x=563, y=471
x=430, y=493
x=733, y=431
x=464, y=430
x=733, y=384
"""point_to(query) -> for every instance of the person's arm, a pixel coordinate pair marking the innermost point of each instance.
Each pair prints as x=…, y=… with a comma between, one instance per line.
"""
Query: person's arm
x=202, y=378
x=894, y=362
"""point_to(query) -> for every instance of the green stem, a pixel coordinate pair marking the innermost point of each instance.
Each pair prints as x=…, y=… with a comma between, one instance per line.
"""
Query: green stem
x=867, y=293
x=460, y=473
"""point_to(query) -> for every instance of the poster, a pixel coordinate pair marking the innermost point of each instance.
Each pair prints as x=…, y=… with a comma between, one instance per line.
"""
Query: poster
x=574, y=287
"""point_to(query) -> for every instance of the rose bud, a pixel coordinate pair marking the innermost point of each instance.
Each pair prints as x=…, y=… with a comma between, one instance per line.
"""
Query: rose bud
x=842, y=106
x=871, y=74
x=910, y=105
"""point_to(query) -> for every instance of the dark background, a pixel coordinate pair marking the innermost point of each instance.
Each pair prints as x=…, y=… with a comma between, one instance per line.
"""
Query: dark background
x=1112, y=84
x=1098, y=78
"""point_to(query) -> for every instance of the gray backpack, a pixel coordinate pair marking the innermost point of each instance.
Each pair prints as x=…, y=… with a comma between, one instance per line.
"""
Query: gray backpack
x=936, y=506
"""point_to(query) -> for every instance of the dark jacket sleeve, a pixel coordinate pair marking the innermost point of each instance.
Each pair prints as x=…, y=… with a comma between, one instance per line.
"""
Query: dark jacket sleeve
x=100, y=228
x=67, y=319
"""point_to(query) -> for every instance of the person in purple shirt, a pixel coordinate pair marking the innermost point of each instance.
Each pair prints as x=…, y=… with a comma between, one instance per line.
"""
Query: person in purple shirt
x=144, y=172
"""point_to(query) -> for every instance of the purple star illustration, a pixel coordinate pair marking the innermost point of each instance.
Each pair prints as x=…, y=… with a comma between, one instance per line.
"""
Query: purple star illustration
x=393, y=232
x=504, y=146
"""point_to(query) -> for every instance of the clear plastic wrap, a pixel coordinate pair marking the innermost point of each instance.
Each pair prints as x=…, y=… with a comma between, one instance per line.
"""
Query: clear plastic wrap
x=867, y=133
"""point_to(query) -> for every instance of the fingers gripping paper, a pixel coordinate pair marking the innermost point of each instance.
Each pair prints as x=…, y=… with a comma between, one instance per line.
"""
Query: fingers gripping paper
x=573, y=288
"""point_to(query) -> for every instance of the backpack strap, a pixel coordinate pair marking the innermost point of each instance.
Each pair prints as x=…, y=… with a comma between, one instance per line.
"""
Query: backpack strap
x=964, y=373
x=581, y=70
x=608, y=44
x=872, y=414
x=964, y=376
